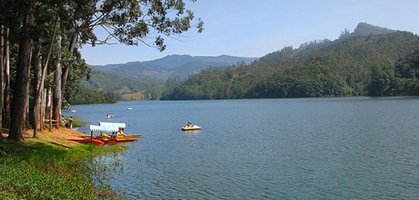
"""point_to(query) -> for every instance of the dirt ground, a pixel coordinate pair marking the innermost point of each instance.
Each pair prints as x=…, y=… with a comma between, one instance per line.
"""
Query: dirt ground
x=55, y=136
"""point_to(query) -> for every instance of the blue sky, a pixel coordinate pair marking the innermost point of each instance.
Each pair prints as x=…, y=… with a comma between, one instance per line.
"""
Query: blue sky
x=255, y=28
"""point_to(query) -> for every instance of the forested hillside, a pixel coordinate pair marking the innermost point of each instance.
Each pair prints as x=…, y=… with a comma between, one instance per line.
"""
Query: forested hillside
x=133, y=77
x=111, y=83
x=357, y=63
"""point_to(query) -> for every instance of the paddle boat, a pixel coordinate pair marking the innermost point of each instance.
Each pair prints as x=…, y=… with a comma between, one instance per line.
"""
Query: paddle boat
x=191, y=127
x=104, y=138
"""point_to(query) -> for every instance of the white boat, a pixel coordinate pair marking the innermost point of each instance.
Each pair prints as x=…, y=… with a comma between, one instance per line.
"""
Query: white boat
x=191, y=127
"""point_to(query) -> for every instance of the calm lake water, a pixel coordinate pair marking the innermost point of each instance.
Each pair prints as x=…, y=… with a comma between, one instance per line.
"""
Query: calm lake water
x=316, y=148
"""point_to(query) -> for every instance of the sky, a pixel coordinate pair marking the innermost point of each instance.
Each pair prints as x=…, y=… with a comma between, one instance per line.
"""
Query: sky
x=250, y=28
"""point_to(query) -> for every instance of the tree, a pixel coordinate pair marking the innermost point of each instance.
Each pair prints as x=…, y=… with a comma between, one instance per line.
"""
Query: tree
x=381, y=79
x=21, y=97
x=57, y=99
x=31, y=22
x=2, y=45
x=407, y=73
x=7, y=79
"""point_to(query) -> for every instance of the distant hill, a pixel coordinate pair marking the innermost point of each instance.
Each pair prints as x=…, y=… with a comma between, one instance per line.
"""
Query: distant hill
x=136, y=76
x=111, y=83
x=350, y=65
x=364, y=29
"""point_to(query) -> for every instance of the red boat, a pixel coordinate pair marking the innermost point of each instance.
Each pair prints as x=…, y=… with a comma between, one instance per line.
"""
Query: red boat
x=101, y=141
x=126, y=139
x=115, y=140
x=105, y=127
x=88, y=141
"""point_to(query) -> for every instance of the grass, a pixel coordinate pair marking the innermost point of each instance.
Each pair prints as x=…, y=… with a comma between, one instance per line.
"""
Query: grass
x=37, y=169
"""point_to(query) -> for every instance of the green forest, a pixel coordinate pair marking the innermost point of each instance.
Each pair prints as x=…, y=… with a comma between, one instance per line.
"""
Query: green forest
x=370, y=61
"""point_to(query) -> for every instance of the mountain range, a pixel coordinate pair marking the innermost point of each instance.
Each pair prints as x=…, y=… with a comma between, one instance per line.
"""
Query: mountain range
x=137, y=76
x=371, y=60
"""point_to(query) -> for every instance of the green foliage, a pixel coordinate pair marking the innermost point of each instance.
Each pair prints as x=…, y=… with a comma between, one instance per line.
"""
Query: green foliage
x=407, y=73
x=154, y=93
x=34, y=170
x=88, y=96
x=109, y=82
x=358, y=63
x=381, y=80
x=77, y=73
x=132, y=22
x=148, y=76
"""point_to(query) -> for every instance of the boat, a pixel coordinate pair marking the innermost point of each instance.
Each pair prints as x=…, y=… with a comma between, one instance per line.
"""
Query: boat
x=109, y=116
x=116, y=140
x=125, y=139
x=96, y=142
x=191, y=127
x=108, y=140
x=105, y=135
x=111, y=127
x=129, y=108
x=105, y=139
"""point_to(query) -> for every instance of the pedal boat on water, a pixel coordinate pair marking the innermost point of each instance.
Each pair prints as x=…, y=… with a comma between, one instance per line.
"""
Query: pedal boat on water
x=191, y=127
x=104, y=138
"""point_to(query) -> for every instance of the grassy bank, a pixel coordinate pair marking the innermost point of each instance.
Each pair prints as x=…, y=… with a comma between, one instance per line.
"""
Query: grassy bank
x=48, y=167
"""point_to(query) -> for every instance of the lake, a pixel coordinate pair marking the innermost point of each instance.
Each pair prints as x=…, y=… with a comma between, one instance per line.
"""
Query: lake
x=310, y=148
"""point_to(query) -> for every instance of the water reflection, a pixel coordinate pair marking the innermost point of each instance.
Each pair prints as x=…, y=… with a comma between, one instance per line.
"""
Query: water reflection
x=195, y=132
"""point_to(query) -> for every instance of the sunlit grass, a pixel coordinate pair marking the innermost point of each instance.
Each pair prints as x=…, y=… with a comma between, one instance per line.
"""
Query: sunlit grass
x=40, y=170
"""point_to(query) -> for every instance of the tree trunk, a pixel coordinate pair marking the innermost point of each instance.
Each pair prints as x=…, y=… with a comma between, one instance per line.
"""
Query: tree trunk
x=57, y=90
x=43, y=108
x=38, y=91
x=7, y=81
x=49, y=107
x=21, y=93
x=41, y=91
x=66, y=68
x=2, y=44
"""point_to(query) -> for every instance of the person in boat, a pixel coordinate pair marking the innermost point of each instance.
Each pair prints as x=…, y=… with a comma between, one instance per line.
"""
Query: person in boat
x=120, y=132
x=189, y=124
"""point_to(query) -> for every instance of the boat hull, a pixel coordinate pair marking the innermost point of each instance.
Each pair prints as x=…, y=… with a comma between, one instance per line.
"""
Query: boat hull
x=96, y=142
x=191, y=128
